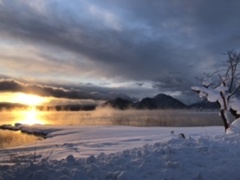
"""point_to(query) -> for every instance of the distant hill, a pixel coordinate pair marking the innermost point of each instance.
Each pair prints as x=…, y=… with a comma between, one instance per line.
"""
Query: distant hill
x=164, y=101
x=118, y=103
x=161, y=101
x=145, y=103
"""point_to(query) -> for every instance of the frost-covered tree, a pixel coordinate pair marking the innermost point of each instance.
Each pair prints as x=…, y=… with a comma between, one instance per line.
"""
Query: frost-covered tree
x=223, y=87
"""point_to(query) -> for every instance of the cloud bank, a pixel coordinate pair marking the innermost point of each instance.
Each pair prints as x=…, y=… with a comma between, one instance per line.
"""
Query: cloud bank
x=166, y=44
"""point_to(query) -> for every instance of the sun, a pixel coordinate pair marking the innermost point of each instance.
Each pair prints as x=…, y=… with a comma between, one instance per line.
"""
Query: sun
x=30, y=115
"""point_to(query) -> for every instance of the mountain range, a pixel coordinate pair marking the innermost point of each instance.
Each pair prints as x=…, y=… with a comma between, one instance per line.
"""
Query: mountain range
x=160, y=101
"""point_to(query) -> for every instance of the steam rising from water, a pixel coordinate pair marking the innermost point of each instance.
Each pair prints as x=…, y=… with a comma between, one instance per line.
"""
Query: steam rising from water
x=108, y=116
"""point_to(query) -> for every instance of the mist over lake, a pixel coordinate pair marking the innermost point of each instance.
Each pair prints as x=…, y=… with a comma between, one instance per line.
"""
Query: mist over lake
x=103, y=117
x=107, y=116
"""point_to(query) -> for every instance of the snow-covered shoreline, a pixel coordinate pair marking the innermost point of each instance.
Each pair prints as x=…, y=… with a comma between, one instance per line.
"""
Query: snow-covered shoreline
x=118, y=152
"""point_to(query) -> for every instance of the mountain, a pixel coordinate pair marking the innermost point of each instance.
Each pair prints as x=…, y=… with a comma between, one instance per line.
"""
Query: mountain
x=118, y=103
x=164, y=101
x=161, y=101
x=145, y=103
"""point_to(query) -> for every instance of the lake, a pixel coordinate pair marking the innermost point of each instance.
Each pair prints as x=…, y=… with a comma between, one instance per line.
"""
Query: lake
x=177, y=118
x=114, y=117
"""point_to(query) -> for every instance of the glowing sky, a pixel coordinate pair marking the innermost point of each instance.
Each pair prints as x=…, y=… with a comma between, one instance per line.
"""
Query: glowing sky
x=27, y=99
x=100, y=49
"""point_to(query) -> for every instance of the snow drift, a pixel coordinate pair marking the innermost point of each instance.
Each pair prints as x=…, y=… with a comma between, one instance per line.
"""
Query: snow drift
x=194, y=157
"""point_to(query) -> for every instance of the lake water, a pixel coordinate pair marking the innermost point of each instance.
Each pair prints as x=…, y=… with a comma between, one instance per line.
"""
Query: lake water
x=114, y=117
x=102, y=117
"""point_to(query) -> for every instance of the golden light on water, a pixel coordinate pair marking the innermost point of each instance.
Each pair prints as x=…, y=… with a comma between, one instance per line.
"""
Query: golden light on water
x=30, y=116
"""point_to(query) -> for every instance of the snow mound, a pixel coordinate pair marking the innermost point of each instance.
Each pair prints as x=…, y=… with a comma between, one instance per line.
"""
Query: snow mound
x=235, y=127
x=236, y=123
x=207, y=157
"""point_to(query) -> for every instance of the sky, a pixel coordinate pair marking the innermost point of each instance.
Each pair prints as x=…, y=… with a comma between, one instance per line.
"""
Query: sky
x=101, y=49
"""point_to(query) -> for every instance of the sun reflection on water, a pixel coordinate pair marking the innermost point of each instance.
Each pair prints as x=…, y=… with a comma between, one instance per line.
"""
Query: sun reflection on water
x=30, y=116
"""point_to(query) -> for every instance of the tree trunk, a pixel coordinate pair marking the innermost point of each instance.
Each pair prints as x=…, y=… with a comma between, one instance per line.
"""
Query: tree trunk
x=234, y=113
x=223, y=112
x=225, y=122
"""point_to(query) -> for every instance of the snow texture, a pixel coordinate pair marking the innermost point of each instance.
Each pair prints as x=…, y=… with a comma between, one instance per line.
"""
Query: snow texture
x=210, y=94
x=235, y=104
x=213, y=95
x=130, y=153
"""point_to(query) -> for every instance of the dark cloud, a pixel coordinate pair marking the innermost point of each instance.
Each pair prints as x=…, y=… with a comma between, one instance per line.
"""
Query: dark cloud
x=10, y=85
x=7, y=85
x=166, y=43
x=80, y=92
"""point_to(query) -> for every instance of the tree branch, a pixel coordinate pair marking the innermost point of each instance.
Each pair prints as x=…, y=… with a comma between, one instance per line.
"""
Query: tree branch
x=234, y=91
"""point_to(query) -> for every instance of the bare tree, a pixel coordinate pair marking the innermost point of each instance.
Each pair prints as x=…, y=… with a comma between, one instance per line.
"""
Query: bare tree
x=224, y=89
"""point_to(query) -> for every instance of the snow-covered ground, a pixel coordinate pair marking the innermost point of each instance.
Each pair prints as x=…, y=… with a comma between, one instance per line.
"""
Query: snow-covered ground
x=121, y=152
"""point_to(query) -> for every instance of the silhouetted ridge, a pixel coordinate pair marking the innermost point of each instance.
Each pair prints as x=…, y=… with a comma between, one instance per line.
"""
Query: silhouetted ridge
x=161, y=101
x=118, y=103
x=146, y=103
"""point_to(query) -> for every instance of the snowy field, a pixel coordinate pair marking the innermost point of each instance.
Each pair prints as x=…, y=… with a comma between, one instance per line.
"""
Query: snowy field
x=122, y=152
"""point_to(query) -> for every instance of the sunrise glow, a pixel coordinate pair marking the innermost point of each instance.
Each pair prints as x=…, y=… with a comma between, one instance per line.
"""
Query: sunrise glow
x=23, y=98
x=30, y=117
x=29, y=99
